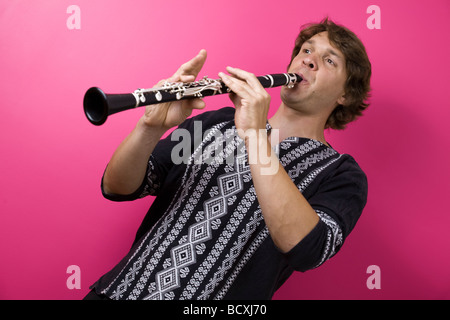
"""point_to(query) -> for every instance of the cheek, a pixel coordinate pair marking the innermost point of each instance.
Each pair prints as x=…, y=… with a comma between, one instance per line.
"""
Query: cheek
x=341, y=84
x=295, y=62
x=342, y=79
x=331, y=88
x=336, y=81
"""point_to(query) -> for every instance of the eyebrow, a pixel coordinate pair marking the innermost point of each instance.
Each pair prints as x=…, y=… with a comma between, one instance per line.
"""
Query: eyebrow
x=330, y=51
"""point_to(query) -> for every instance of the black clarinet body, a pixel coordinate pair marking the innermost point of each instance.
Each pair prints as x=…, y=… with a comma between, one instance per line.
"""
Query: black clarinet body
x=99, y=105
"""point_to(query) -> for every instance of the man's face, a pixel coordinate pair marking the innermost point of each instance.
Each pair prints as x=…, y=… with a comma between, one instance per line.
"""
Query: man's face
x=322, y=67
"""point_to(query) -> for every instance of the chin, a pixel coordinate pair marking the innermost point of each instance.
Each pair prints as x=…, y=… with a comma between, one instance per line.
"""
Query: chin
x=290, y=96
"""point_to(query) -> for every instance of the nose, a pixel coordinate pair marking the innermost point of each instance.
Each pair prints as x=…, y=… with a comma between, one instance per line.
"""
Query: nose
x=310, y=62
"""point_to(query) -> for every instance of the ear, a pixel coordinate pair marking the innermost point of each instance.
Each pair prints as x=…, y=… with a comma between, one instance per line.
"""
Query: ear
x=341, y=100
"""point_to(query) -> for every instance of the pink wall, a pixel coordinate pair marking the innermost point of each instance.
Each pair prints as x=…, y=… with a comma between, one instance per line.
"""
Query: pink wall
x=51, y=210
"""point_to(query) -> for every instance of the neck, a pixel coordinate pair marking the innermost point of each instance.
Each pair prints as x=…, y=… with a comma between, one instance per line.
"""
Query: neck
x=291, y=122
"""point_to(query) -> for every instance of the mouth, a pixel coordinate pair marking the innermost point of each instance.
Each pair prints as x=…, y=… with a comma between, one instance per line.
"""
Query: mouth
x=303, y=78
x=301, y=83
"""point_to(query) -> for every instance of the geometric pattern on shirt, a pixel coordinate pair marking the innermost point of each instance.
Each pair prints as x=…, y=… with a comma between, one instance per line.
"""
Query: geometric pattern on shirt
x=230, y=257
x=334, y=237
x=199, y=232
x=309, y=161
x=185, y=254
x=243, y=238
x=265, y=232
x=153, y=185
x=158, y=231
x=228, y=263
x=153, y=248
x=187, y=251
x=257, y=218
x=159, y=245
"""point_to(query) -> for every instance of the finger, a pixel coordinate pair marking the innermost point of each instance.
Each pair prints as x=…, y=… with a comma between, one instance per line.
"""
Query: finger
x=195, y=65
x=175, y=78
x=192, y=67
x=187, y=78
x=235, y=99
x=239, y=87
x=189, y=105
x=195, y=104
x=248, y=77
x=160, y=83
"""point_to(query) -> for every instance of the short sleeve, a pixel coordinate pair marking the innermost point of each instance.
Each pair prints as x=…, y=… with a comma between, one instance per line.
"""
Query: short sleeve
x=150, y=185
x=339, y=202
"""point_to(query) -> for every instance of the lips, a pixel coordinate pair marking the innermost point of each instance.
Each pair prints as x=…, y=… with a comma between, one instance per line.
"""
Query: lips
x=302, y=83
x=303, y=77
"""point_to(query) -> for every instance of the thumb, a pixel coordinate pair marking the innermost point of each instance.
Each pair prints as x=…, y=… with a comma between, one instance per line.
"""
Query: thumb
x=195, y=103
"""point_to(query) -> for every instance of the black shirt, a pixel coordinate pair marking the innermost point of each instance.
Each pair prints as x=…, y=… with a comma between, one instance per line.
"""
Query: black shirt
x=204, y=236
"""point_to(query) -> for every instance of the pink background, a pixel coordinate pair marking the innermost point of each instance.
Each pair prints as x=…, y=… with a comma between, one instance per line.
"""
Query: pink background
x=51, y=210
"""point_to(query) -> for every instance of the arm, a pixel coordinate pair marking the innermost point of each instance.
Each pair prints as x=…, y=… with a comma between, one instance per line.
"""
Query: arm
x=287, y=214
x=127, y=167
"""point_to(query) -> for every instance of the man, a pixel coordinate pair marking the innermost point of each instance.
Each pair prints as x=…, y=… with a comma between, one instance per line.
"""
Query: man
x=286, y=201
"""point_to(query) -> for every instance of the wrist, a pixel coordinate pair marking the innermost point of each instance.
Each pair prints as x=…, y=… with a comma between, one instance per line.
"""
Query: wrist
x=261, y=158
x=255, y=137
x=257, y=145
x=148, y=130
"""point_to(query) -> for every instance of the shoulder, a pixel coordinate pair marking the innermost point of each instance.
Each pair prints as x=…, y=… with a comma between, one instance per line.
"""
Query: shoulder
x=343, y=177
x=341, y=192
x=347, y=181
x=349, y=168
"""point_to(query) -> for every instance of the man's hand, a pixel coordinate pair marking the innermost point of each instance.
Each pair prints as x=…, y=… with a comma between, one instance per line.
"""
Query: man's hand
x=167, y=115
x=251, y=100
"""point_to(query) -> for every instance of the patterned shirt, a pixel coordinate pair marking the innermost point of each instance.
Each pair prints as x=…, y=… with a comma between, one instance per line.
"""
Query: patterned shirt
x=204, y=236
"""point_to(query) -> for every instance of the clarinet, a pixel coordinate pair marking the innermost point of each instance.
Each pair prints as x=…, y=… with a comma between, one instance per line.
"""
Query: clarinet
x=99, y=105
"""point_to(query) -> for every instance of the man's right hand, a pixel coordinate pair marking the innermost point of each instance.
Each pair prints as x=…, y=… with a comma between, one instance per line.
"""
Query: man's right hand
x=162, y=117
